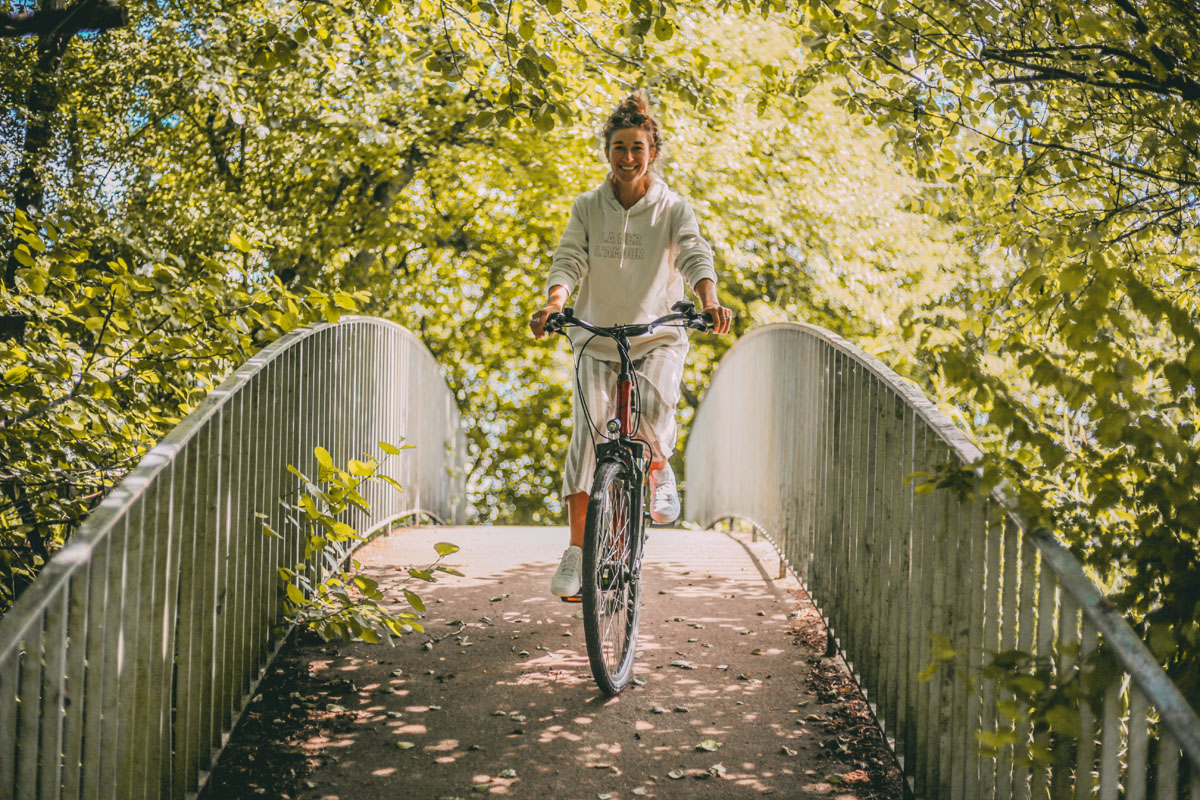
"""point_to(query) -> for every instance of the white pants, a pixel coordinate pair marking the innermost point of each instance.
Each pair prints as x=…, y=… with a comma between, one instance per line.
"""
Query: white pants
x=658, y=375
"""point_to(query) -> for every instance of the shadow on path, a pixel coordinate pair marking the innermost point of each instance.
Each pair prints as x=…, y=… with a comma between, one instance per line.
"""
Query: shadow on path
x=497, y=698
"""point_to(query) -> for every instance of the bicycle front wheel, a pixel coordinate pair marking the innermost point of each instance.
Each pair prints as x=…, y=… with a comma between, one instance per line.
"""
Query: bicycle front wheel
x=611, y=584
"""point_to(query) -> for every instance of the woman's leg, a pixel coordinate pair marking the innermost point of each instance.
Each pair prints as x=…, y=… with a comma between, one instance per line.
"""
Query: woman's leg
x=660, y=373
x=594, y=380
x=577, y=515
x=593, y=387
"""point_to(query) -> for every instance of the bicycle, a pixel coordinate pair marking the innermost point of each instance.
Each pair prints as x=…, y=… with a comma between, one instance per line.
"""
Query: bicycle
x=615, y=528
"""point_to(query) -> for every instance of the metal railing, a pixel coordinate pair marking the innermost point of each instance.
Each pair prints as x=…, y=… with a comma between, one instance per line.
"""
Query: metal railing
x=816, y=443
x=126, y=664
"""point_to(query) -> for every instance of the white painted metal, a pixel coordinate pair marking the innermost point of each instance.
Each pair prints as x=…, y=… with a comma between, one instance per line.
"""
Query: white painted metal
x=822, y=448
x=126, y=663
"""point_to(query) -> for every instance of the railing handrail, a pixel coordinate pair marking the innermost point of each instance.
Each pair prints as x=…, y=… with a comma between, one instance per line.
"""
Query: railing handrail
x=1175, y=712
x=98, y=524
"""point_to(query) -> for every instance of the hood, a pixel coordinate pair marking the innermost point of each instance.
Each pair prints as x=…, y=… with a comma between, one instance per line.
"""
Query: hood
x=653, y=195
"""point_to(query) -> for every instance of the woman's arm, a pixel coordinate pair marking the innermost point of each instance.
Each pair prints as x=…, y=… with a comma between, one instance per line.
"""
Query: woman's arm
x=706, y=290
x=556, y=298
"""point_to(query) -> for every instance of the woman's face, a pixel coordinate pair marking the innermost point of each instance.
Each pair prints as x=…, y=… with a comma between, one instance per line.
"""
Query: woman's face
x=630, y=153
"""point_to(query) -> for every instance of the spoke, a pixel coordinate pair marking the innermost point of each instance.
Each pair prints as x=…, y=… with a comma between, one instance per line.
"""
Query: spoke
x=614, y=602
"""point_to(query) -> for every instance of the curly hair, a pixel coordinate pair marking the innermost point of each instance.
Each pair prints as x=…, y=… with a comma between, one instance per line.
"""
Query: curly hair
x=633, y=112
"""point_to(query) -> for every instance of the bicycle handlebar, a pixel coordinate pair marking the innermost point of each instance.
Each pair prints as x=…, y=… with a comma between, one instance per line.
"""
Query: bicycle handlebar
x=683, y=311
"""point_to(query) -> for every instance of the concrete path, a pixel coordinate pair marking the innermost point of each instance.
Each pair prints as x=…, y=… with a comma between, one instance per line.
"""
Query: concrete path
x=503, y=703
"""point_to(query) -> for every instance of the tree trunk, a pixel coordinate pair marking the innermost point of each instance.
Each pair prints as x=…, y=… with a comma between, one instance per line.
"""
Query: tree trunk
x=55, y=26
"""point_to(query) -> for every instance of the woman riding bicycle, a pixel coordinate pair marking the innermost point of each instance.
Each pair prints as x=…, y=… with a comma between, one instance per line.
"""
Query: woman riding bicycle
x=629, y=246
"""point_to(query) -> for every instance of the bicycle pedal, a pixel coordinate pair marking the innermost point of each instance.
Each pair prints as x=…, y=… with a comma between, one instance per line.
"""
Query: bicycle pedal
x=575, y=598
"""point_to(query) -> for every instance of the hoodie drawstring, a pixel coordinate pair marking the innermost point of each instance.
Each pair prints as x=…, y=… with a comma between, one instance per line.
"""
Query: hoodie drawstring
x=624, y=228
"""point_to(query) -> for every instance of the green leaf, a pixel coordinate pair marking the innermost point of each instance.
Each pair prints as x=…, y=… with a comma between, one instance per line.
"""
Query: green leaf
x=445, y=548
x=361, y=469
x=310, y=508
x=295, y=595
x=239, y=242
x=24, y=257
x=390, y=449
x=16, y=374
x=323, y=457
x=414, y=600
x=1063, y=720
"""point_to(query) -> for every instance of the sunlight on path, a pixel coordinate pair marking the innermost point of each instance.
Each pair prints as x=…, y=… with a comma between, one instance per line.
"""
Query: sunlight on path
x=502, y=703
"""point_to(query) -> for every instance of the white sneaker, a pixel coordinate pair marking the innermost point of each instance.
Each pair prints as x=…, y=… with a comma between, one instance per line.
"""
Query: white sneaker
x=664, y=496
x=568, y=578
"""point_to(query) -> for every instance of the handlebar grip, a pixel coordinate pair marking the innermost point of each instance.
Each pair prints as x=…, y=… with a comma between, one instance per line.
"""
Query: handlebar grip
x=554, y=323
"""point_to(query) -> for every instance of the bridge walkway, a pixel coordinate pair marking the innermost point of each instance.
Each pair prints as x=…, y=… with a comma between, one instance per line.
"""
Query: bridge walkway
x=730, y=654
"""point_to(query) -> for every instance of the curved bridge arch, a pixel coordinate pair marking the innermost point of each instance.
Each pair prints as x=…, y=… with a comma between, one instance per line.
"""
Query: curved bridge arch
x=128, y=661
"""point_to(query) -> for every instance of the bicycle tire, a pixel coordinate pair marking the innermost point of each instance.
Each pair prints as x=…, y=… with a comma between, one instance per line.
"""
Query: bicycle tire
x=612, y=594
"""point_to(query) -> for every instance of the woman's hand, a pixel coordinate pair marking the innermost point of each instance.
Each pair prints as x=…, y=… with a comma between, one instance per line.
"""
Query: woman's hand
x=556, y=298
x=722, y=317
x=537, y=323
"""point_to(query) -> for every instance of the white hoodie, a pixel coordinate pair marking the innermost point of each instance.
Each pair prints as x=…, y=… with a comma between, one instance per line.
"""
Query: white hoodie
x=629, y=265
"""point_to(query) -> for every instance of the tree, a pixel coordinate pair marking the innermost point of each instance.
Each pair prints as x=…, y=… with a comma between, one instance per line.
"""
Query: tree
x=282, y=152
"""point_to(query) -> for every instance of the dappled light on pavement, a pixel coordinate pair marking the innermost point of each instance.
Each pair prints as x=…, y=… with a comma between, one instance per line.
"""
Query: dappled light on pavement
x=496, y=697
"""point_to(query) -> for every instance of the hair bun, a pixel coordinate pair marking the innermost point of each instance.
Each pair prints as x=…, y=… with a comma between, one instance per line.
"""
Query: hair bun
x=636, y=102
x=634, y=112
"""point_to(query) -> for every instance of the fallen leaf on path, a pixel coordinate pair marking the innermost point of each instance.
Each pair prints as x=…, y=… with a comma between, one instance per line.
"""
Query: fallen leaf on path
x=675, y=774
x=405, y=745
x=710, y=745
x=508, y=773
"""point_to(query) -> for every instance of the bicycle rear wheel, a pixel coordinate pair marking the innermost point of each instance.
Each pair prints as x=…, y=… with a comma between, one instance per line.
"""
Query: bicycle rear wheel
x=612, y=592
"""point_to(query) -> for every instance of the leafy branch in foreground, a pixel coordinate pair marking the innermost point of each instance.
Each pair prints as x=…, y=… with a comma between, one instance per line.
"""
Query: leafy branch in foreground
x=325, y=589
